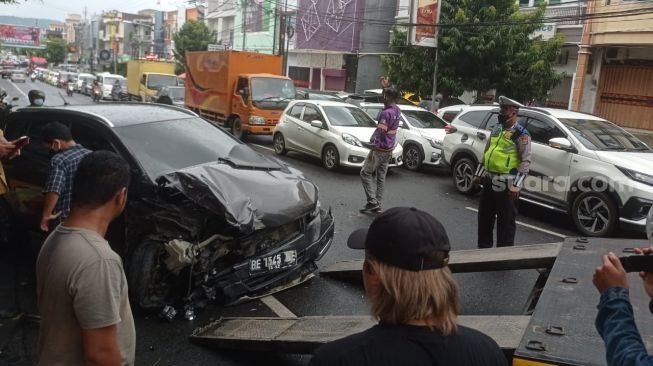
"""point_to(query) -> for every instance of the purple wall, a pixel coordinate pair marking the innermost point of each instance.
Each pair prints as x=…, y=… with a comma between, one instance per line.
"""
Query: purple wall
x=332, y=25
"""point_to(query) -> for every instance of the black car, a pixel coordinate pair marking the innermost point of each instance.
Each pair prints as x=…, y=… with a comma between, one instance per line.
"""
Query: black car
x=208, y=218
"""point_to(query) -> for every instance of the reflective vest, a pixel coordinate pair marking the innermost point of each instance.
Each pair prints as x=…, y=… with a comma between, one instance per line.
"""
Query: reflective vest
x=503, y=154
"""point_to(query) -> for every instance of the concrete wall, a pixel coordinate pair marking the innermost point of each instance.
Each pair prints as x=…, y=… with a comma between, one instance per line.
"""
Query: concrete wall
x=590, y=89
x=629, y=30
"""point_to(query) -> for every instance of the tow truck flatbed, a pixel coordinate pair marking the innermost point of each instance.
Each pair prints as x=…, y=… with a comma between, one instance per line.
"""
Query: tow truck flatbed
x=557, y=327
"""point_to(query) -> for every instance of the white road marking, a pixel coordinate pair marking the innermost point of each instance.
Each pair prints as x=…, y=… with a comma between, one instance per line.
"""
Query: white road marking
x=277, y=307
x=20, y=91
x=529, y=226
x=263, y=147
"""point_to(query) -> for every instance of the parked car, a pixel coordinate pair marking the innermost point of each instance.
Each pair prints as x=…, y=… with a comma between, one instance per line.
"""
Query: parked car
x=420, y=134
x=18, y=77
x=304, y=93
x=207, y=219
x=449, y=113
x=357, y=99
x=582, y=165
x=335, y=132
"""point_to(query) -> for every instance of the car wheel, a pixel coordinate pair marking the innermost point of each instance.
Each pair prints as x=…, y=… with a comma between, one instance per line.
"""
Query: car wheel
x=147, y=272
x=463, y=172
x=279, y=144
x=237, y=129
x=594, y=214
x=330, y=157
x=412, y=158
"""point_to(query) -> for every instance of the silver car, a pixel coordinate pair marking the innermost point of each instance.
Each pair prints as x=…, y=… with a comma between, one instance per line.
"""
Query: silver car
x=335, y=132
x=18, y=77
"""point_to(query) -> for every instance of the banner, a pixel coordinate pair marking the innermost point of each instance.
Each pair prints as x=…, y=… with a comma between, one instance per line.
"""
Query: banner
x=426, y=12
x=19, y=35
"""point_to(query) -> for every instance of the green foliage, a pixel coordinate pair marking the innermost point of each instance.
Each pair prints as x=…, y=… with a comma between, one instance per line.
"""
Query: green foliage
x=484, y=45
x=56, y=50
x=193, y=36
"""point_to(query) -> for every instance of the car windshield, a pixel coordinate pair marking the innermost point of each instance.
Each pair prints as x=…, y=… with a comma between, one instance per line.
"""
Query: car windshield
x=155, y=81
x=264, y=89
x=348, y=117
x=176, y=93
x=423, y=119
x=167, y=146
x=603, y=135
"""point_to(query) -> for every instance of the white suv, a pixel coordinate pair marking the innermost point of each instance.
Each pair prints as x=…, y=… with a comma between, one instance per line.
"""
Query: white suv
x=420, y=133
x=582, y=165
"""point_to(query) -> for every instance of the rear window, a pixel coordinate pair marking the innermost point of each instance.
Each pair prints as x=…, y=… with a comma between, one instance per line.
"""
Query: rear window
x=472, y=118
x=449, y=116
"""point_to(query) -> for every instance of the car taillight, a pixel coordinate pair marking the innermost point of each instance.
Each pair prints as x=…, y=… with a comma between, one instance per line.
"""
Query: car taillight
x=449, y=129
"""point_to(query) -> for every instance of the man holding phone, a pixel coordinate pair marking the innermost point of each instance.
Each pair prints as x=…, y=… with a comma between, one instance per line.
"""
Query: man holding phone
x=615, y=321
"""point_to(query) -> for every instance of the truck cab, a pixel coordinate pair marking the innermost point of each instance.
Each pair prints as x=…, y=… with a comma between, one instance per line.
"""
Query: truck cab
x=151, y=82
x=258, y=101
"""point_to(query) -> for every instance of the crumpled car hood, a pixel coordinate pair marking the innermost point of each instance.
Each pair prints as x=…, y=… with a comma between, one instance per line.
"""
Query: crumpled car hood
x=249, y=199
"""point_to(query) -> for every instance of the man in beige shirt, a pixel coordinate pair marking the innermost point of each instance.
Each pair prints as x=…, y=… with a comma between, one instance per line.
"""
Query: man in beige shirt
x=82, y=291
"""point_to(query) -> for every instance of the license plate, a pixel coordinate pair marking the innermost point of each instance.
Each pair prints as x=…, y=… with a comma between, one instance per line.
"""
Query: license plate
x=274, y=262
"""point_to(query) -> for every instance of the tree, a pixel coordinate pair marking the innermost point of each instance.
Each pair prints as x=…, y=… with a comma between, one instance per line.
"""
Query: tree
x=193, y=36
x=56, y=50
x=484, y=45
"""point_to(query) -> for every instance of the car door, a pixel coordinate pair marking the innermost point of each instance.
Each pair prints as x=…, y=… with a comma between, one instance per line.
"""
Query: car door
x=293, y=121
x=312, y=137
x=469, y=135
x=27, y=173
x=549, y=168
x=404, y=130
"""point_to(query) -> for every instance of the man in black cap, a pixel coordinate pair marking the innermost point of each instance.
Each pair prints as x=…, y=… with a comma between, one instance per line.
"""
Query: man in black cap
x=506, y=163
x=415, y=298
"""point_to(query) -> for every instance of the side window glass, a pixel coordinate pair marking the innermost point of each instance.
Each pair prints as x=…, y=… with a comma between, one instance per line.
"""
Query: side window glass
x=243, y=88
x=473, y=118
x=541, y=131
x=449, y=116
x=311, y=114
x=90, y=137
x=493, y=121
x=143, y=80
x=296, y=111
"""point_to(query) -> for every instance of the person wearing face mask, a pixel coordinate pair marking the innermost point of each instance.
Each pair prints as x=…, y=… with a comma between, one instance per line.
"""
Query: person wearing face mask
x=505, y=164
x=66, y=155
x=36, y=98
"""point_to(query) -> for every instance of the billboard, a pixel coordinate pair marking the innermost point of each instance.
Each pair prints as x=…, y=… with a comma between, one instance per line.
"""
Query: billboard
x=19, y=35
x=331, y=25
x=424, y=15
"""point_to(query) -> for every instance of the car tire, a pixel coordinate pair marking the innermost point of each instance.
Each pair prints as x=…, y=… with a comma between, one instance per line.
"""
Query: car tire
x=279, y=144
x=413, y=158
x=594, y=214
x=463, y=172
x=146, y=273
x=330, y=158
x=237, y=129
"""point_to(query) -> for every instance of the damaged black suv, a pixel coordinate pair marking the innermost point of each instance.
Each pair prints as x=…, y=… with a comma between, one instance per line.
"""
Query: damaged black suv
x=207, y=219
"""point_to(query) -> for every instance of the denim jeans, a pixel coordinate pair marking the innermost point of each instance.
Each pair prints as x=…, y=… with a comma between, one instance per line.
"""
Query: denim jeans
x=616, y=325
x=373, y=175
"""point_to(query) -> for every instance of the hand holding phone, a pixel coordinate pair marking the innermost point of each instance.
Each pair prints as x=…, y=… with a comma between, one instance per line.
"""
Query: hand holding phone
x=21, y=142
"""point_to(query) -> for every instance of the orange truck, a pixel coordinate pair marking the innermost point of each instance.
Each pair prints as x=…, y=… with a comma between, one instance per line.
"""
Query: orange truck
x=244, y=91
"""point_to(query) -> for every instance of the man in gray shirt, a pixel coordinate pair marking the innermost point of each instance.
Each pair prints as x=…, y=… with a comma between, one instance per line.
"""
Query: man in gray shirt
x=81, y=286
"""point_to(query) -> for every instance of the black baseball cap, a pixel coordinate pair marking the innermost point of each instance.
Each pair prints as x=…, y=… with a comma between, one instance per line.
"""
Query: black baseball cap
x=405, y=237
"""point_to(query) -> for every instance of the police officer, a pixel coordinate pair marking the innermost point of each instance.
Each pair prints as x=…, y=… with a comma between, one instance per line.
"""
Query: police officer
x=505, y=164
x=36, y=98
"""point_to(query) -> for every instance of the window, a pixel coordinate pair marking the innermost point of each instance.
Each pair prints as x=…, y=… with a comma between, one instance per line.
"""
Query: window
x=449, y=116
x=348, y=116
x=88, y=135
x=255, y=18
x=243, y=88
x=541, y=131
x=296, y=111
x=494, y=120
x=423, y=119
x=373, y=112
x=603, y=135
x=473, y=118
x=311, y=114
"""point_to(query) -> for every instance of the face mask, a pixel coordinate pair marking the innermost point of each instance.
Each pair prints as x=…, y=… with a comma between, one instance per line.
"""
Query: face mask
x=502, y=119
x=38, y=102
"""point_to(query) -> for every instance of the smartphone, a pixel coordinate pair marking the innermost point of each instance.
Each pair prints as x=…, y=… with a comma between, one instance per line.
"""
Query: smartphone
x=22, y=142
x=637, y=263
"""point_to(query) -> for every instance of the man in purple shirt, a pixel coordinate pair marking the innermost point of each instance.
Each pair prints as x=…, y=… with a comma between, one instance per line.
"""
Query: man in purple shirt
x=382, y=143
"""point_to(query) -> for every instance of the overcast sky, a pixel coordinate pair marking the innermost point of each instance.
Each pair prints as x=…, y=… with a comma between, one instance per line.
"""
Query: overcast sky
x=57, y=9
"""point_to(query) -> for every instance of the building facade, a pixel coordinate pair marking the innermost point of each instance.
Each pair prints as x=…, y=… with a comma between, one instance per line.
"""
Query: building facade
x=614, y=78
x=221, y=18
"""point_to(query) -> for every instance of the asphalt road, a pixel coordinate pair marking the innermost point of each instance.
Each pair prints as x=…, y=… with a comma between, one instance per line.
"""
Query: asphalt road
x=161, y=343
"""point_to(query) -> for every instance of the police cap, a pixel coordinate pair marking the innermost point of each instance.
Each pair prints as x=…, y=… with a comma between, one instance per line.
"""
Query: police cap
x=507, y=102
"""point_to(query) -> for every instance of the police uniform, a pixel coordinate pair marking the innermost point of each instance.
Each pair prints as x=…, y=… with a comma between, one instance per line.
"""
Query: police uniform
x=506, y=163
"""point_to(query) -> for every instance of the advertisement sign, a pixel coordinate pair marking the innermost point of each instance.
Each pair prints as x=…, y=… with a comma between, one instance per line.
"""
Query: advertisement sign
x=547, y=31
x=331, y=25
x=424, y=15
x=19, y=35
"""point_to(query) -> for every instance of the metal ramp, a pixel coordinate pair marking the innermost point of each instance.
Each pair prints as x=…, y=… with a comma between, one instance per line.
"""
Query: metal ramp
x=302, y=335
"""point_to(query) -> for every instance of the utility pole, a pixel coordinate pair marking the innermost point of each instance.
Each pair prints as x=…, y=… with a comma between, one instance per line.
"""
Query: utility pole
x=434, y=107
x=244, y=24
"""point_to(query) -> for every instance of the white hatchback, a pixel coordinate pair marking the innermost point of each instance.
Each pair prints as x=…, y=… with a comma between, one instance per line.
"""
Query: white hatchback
x=335, y=132
x=420, y=133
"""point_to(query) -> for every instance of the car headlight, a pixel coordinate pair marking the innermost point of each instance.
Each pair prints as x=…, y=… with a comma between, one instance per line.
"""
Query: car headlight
x=256, y=120
x=637, y=176
x=436, y=143
x=351, y=139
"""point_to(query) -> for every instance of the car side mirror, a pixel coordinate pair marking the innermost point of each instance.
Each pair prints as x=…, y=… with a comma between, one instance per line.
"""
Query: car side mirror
x=317, y=124
x=561, y=143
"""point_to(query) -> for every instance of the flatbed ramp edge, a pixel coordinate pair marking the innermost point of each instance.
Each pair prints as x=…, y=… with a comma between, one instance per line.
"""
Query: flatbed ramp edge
x=304, y=334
